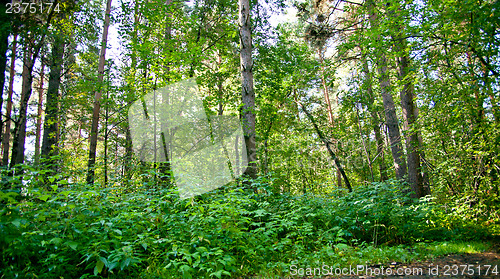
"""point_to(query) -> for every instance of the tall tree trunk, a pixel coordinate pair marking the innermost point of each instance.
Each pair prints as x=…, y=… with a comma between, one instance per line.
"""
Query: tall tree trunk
x=50, y=123
x=98, y=95
x=30, y=56
x=391, y=119
x=4, y=46
x=12, y=72
x=415, y=178
x=128, y=136
x=247, y=90
x=19, y=138
x=39, y=115
x=165, y=167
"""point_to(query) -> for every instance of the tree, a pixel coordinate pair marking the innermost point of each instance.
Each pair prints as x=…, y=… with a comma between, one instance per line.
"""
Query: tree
x=5, y=28
x=33, y=45
x=98, y=94
x=38, y=130
x=247, y=89
x=391, y=120
x=12, y=72
x=50, y=131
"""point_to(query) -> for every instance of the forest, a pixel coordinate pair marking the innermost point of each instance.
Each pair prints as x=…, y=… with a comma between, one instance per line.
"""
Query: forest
x=249, y=139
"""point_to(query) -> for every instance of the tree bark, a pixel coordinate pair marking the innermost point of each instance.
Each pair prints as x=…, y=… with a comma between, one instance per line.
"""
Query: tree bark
x=4, y=46
x=415, y=178
x=98, y=94
x=19, y=138
x=39, y=115
x=30, y=55
x=247, y=92
x=6, y=135
x=391, y=119
x=50, y=131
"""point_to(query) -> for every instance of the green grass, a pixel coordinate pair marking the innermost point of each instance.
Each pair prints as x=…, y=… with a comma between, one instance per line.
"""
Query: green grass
x=446, y=248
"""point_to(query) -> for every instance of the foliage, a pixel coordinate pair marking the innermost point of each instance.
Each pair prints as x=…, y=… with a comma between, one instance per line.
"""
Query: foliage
x=142, y=231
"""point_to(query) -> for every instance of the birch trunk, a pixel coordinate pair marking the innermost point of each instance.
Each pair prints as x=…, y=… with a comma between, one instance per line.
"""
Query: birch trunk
x=247, y=92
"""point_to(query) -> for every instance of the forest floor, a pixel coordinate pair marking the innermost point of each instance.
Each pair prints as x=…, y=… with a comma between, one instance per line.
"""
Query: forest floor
x=485, y=265
x=451, y=266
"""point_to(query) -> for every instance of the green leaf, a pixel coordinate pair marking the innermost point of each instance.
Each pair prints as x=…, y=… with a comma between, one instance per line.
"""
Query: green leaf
x=125, y=263
x=104, y=260
x=99, y=266
x=54, y=187
x=44, y=197
x=56, y=240
x=72, y=244
x=16, y=223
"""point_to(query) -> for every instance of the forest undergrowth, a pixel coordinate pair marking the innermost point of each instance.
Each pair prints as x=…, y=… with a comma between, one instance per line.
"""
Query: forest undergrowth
x=140, y=230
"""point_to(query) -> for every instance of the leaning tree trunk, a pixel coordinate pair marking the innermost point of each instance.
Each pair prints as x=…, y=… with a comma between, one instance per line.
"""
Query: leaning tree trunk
x=98, y=95
x=247, y=89
x=391, y=119
x=6, y=136
x=327, y=144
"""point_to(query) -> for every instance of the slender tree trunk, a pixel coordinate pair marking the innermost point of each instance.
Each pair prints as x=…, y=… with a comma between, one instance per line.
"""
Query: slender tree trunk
x=325, y=88
x=6, y=135
x=50, y=123
x=329, y=109
x=391, y=119
x=38, y=131
x=106, y=138
x=128, y=136
x=375, y=121
x=247, y=92
x=165, y=167
x=98, y=95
